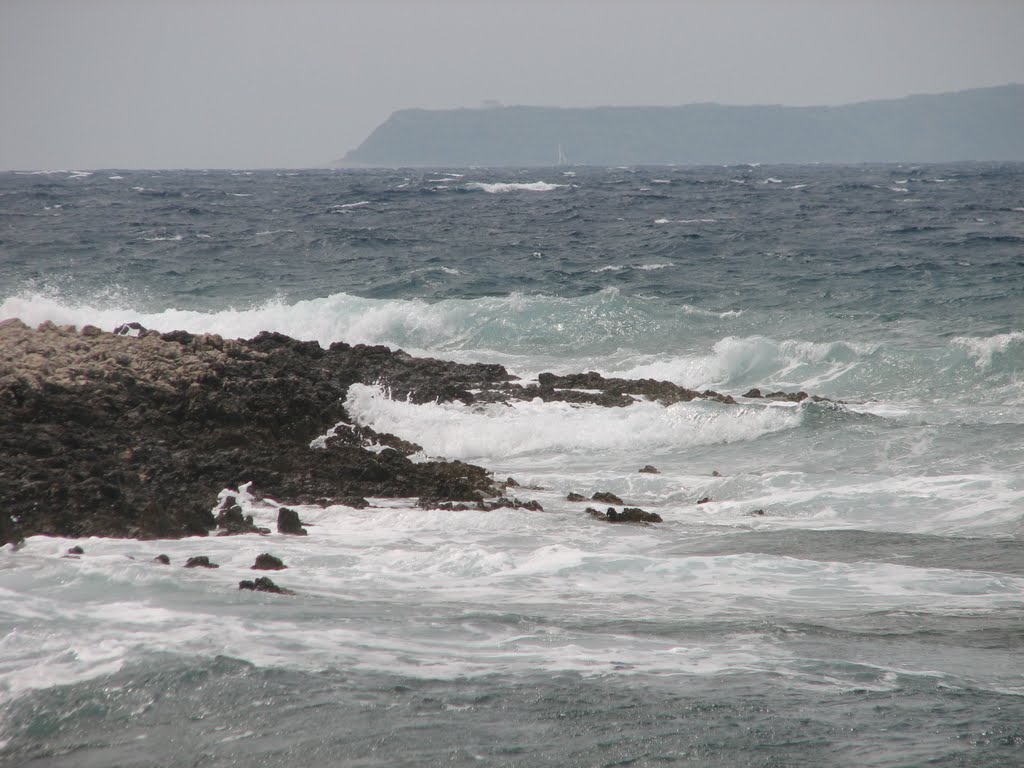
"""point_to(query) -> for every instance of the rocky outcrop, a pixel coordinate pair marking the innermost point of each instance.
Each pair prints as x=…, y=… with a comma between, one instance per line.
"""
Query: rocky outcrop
x=116, y=435
x=789, y=397
x=200, y=561
x=627, y=515
x=135, y=433
x=231, y=522
x=288, y=522
x=594, y=389
x=268, y=562
x=264, y=584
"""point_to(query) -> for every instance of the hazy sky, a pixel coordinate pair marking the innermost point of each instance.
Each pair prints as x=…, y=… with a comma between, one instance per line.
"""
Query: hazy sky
x=261, y=83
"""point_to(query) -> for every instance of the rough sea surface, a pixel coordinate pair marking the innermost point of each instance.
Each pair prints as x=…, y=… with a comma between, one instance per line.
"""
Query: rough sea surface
x=873, y=615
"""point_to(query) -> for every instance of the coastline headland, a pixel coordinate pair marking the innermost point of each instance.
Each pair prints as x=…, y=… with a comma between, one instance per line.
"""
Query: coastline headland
x=134, y=433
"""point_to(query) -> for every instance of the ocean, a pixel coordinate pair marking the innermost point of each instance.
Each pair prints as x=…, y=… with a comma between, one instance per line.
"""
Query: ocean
x=851, y=594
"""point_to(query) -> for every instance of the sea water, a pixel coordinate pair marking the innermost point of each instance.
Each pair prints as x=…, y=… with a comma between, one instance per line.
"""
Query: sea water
x=850, y=595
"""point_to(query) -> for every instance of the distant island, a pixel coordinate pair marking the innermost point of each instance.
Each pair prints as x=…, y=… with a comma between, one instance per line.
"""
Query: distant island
x=982, y=124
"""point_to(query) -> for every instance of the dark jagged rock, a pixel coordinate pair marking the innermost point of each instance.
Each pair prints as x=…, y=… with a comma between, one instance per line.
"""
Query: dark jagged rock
x=447, y=506
x=606, y=497
x=484, y=505
x=627, y=515
x=267, y=562
x=263, y=584
x=162, y=559
x=288, y=522
x=75, y=551
x=715, y=473
x=200, y=561
x=792, y=397
x=648, y=469
x=573, y=496
x=637, y=515
x=704, y=500
x=665, y=392
x=511, y=483
x=757, y=512
x=232, y=523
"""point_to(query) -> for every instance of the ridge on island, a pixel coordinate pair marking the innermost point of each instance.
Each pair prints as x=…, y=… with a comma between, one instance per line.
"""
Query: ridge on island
x=981, y=124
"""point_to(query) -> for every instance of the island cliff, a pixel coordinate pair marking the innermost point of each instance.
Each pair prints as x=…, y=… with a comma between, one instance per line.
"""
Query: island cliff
x=984, y=124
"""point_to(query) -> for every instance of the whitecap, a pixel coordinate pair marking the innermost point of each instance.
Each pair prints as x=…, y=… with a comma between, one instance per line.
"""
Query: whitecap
x=986, y=350
x=498, y=187
x=497, y=432
x=164, y=238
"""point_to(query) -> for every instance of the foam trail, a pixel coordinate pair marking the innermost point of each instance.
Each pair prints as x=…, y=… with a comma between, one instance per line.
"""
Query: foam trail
x=498, y=187
x=495, y=432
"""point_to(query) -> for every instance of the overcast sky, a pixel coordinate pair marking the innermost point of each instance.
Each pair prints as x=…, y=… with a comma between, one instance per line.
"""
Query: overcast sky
x=261, y=83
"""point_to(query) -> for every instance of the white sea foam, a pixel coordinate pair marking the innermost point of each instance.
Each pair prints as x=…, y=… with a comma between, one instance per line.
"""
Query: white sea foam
x=988, y=350
x=425, y=594
x=498, y=187
x=737, y=361
x=349, y=206
x=164, y=238
x=455, y=430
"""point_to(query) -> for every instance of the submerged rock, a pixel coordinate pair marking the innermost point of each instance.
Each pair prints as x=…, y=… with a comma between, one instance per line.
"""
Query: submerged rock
x=573, y=496
x=606, y=497
x=162, y=559
x=648, y=469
